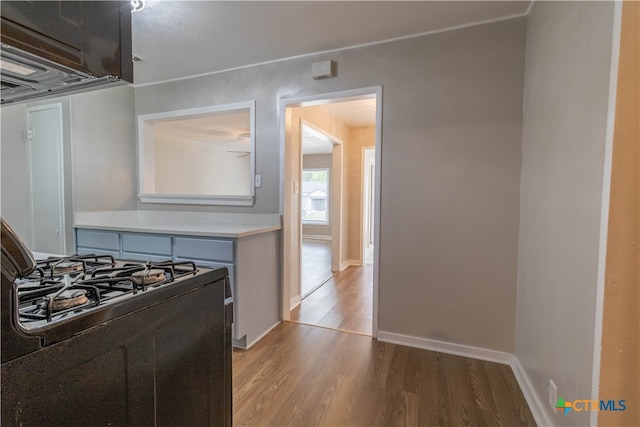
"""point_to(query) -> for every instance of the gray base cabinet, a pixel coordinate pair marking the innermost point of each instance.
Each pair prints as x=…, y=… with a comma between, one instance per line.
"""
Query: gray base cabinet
x=253, y=263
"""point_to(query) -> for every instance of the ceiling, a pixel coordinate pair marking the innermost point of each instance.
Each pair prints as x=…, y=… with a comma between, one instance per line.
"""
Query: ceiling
x=212, y=36
x=179, y=39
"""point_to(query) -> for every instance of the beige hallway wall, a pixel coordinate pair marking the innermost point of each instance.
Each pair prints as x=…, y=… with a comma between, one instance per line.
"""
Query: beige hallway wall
x=359, y=138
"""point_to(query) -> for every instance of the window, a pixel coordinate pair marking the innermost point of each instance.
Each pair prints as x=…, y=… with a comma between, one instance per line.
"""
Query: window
x=315, y=196
x=198, y=155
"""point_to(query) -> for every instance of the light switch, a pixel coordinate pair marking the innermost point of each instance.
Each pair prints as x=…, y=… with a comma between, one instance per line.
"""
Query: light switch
x=258, y=180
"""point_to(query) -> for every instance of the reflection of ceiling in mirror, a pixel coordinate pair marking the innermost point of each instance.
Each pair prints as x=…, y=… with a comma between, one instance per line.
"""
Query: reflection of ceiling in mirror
x=227, y=130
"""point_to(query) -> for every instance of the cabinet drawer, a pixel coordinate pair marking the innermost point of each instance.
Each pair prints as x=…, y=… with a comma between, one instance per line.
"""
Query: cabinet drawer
x=204, y=249
x=209, y=264
x=147, y=244
x=136, y=256
x=98, y=239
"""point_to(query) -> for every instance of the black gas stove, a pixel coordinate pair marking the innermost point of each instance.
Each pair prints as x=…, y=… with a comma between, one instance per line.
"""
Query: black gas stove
x=91, y=340
x=67, y=293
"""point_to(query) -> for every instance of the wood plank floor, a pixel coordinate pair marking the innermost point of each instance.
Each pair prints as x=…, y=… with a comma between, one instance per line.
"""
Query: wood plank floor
x=315, y=258
x=300, y=375
x=344, y=302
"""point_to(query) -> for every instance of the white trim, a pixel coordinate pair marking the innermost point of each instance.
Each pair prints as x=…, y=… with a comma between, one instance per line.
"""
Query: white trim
x=349, y=263
x=604, y=208
x=364, y=198
x=295, y=301
x=537, y=407
x=196, y=199
x=446, y=347
x=316, y=237
x=342, y=49
x=376, y=213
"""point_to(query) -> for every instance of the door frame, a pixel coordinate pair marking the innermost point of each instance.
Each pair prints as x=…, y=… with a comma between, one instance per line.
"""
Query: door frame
x=366, y=202
x=61, y=182
x=290, y=225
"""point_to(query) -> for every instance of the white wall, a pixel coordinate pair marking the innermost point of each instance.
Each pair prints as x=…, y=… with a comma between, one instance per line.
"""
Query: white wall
x=566, y=95
x=183, y=166
x=99, y=156
x=16, y=179
x=452, y=129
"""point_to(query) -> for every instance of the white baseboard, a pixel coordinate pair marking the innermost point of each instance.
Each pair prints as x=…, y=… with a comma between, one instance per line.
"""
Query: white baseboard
x=349, y=263
x=446, y=347
x=295, y=301
x=316, y=237
x=536, y=406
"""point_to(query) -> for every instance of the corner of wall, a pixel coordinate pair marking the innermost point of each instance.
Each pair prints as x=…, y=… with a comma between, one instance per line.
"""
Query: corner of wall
x=537, y=407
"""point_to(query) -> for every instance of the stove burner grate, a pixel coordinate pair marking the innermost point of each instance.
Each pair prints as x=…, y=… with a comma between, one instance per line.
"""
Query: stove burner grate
x=54, y=298
x=53, y=267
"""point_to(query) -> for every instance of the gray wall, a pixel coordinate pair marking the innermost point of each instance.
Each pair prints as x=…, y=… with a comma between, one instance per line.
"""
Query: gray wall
x=566, y=95
x=452, y=123
x=452, y=126
x=104, y=150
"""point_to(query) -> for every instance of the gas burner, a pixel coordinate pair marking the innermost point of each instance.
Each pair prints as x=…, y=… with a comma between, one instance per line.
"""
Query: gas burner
x=149, y=273
x=148, y=276
x=67, y=267
x=54, y=267
x=68, y=299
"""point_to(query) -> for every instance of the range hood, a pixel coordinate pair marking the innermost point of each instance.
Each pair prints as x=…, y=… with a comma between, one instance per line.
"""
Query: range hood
x=26, y=76
x=53, y=48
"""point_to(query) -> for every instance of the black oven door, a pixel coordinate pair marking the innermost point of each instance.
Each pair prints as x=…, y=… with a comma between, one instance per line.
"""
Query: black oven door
x=160, y=366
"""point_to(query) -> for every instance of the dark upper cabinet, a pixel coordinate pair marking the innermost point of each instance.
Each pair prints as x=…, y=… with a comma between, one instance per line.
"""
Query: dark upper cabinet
x=90, y=36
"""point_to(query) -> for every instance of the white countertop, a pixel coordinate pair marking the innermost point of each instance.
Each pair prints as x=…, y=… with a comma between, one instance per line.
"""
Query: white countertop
x=186, y=223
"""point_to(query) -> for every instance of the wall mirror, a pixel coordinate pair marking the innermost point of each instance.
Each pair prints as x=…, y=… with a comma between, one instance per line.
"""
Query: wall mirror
x=198, y=156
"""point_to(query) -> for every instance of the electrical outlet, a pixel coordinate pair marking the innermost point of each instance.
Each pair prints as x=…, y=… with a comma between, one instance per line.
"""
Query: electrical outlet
x=553, y=394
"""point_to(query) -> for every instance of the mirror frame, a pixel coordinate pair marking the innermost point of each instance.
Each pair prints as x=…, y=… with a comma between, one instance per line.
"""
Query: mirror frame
x=197, y=199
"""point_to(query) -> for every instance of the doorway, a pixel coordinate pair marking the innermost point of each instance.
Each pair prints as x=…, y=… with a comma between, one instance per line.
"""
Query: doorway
x=327, y=113
x=46, y=169
x=318, y=197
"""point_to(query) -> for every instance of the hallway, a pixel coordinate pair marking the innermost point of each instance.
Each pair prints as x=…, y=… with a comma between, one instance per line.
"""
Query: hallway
x=316, y=264
x=343, y=302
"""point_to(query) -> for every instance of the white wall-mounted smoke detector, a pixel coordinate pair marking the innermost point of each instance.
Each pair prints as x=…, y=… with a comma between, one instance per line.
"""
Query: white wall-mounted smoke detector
x=323, y=69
